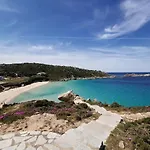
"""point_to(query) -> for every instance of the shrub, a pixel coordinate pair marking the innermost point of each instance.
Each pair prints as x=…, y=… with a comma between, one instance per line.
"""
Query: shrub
x=88, y=114
x=82, y=106
x=41, y=103
x=78, y=118
x=115, y=105
x=94, y=102
x=5, y=105
x=11, y=118
x=62, y=115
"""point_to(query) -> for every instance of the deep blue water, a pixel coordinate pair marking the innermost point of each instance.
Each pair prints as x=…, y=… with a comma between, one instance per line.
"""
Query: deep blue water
x=126, y=91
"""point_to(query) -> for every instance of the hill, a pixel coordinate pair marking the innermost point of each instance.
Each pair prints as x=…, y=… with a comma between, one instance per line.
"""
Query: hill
x=52, y=72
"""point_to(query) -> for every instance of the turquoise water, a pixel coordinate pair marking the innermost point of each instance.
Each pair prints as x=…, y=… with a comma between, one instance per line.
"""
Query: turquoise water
x=125, y=91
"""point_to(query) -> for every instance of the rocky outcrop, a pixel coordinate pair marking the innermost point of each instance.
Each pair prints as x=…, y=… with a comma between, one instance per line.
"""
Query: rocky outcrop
x=68, y=96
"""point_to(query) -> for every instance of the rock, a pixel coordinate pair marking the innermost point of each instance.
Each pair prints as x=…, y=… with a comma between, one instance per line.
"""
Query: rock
x=22, y=146
x=33, y=139
x=121, y=145
x=52, y=135
x=5, y=143
x=69, y=96
x=45, y=133
x=50, y=146
x=40, y=148
x=50, y=141
x=41, y=140
x=8, y=136
x=30, y=148
x=34, y=132
x=19, y=139
x=83, y=147
x=23, y=132
x=11, y=148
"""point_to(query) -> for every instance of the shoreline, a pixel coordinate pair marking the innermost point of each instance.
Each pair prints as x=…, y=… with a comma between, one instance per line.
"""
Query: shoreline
x=8, y=96
x=105, y=122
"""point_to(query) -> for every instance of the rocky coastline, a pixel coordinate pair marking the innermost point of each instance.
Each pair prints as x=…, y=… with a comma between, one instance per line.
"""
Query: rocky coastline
x=46, y=115
x=64, y=125
x=84, y=123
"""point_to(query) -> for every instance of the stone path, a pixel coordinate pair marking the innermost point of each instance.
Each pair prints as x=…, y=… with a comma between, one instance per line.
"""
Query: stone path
x=85, y=137
x=31, y=140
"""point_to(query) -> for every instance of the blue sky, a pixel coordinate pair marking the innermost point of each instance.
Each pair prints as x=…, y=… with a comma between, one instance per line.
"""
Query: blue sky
x=108, y=35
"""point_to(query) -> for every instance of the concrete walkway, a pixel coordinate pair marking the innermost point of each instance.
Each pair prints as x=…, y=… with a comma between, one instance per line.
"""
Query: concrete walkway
x=85, y=137
x=89, y=136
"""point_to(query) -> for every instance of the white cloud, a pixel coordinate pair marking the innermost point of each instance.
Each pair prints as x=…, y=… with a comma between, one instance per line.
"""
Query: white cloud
x=41, y=47
x=89, y=61
x=66, y=44
x=115, y=59
x=136, y=13
x=132, y=52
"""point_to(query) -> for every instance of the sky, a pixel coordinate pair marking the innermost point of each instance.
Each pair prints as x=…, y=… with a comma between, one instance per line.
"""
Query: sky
x=107, y=35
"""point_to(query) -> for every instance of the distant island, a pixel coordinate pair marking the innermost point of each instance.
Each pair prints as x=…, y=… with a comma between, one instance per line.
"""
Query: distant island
x=17, y=75
x=136, y=75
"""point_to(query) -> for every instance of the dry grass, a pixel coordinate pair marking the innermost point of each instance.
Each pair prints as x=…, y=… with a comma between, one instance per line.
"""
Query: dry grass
x=134, y=135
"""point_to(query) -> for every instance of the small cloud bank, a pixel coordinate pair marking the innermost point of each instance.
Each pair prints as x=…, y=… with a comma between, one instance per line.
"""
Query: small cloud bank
x=135, y=13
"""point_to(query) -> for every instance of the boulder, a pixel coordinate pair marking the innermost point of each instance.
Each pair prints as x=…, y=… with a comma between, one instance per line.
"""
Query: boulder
x=68, y=96
x=121, y=145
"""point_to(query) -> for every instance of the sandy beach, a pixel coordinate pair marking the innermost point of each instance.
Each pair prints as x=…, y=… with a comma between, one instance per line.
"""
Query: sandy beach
x=7, y=96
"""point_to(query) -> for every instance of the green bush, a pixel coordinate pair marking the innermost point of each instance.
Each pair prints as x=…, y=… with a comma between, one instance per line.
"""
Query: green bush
x=78, y=118
x=82, y=106
x=115, y=105
x=93, y=102
x=63, y=115
x=11, y=118
x=41, y=103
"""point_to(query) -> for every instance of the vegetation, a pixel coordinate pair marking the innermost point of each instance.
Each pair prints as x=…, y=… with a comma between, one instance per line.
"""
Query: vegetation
x=68, y=111
x=53, y=72
x=27, y=73
x=134, y=135
x=119, y=108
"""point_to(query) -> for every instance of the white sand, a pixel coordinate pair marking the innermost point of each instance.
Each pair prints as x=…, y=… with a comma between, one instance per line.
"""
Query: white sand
x=9, y=95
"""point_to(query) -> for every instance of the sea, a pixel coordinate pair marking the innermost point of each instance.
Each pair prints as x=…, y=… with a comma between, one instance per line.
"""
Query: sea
x=127, y=91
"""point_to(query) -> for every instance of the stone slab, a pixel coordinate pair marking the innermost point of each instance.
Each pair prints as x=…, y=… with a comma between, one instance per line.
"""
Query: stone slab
x=19, y=139
x=8, y=136
x=21, y=146
x=40, y=140
x=5, y=143
x=11, y=148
